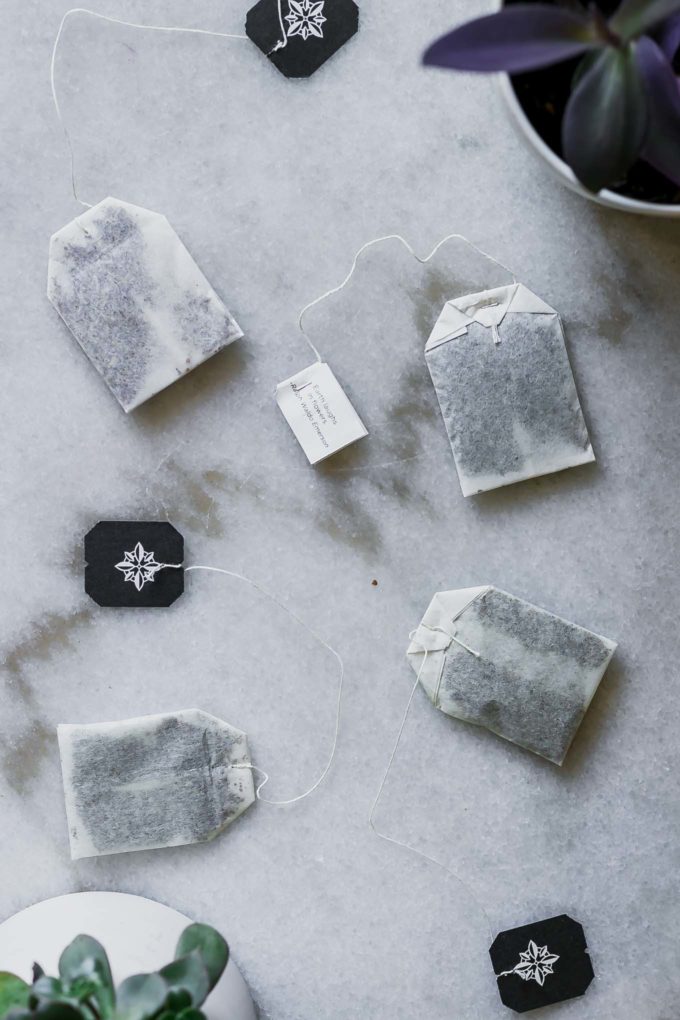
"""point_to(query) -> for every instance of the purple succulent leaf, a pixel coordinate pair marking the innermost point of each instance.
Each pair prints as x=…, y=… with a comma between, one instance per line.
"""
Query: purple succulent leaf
x=634, y=17
x=605, y=122
x=669, y=36
x=517, y=38
x=662, y=145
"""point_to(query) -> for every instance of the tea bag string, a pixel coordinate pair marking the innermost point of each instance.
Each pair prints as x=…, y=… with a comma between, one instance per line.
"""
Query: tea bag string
x=341, y=666
x=422, y=259
x=371, y=818
x=129, y=24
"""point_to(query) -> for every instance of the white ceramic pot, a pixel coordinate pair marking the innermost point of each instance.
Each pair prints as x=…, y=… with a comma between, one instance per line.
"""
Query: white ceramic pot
x=565, y=173
x=139, y=935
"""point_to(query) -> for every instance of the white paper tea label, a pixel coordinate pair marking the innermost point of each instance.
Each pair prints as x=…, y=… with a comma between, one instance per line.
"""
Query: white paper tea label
x=319, y=412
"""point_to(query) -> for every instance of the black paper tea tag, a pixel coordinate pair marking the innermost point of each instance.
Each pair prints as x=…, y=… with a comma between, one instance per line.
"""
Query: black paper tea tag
x=132, y=563
x=299, y=36
x=541, y=964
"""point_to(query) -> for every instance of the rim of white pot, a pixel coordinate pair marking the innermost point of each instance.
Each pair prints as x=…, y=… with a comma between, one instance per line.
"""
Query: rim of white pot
x=138, y=934
x=566, y=174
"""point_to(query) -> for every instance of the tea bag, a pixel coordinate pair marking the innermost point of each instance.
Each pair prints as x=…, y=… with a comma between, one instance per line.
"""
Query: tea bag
x=134, y=299
x=490, y=658
x=157, y=781
x=500, y=368
x=542, y=963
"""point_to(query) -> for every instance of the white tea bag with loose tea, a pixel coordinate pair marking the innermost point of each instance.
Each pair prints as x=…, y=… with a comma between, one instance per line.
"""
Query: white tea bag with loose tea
x=500, y=368
x=156, y=781
x=493, y=659
x=134, y=299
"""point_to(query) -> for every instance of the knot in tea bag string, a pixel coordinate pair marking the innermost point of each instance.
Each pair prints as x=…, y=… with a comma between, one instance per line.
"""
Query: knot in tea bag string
x=324, y=644
x=422, y=259
x=371, y=818
x=130, y=24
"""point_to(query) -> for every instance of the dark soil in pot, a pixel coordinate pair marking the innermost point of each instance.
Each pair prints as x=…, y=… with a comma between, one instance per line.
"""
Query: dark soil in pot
x=543, y=96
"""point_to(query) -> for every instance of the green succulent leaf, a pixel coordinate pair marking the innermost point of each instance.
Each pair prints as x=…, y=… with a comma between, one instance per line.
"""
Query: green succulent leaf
x=635, y=17
x=13, y=992
x=50, y=1011
x=191, y=1014
x=140, y=997
x=210, y=946
x=46, y=987
x=178, y=1000
x=190, y=973
x=606, y=119
x=83, y=960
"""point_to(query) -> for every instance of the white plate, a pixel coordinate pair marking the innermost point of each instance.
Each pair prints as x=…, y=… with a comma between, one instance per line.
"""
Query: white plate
x=139, y=935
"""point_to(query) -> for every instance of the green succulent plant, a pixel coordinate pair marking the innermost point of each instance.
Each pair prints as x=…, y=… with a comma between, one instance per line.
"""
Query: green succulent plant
x=84, y=989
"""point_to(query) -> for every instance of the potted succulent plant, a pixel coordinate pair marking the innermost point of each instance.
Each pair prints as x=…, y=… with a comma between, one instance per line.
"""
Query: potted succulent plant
x=84, y=988
x=594, y=88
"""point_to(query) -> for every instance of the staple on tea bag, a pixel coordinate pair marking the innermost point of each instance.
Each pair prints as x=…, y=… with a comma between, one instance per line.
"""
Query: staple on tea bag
x=515, y=648
x=501, y=372
x=157, y=781
x=134, y=299
x=490, y=658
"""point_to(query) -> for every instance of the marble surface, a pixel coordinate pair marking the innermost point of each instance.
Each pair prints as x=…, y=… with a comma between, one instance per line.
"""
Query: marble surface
x=273, y=185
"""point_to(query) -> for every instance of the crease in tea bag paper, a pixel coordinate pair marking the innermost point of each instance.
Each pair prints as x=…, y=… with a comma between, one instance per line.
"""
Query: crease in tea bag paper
x=500, y=368
x=151, y=782
x=134, y=299
x=490, y=658
x=319, y=412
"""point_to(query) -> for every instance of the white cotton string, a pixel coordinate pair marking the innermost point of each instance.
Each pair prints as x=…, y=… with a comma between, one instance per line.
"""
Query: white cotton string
x=127, y=24
x=423, y=261
x=371, y=817
x=324, y=644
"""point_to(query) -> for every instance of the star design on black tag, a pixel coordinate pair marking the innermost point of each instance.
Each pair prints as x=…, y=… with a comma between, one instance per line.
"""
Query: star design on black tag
x=139, y=566
x=541, y=964
x=306, y=18
x=121, y=570
x=535, y=964
x=298, y=36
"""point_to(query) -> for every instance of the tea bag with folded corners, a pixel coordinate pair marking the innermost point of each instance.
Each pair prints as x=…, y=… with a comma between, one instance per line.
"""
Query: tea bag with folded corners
x=156, y=781
x=134, y=299
x=490, y=658
x=500, y=369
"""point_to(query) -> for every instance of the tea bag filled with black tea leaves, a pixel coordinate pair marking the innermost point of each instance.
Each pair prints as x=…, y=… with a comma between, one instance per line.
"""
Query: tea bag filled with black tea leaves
x=156, y=781
x=490, y=658
x=134, y=299
x=501, y=372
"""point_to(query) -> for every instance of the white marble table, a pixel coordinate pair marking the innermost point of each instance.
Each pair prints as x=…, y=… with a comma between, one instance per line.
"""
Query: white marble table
x=273, y=185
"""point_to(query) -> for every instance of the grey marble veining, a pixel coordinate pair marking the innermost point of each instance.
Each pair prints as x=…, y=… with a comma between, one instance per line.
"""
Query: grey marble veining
x=273, y=186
